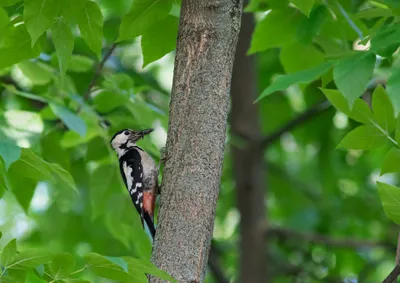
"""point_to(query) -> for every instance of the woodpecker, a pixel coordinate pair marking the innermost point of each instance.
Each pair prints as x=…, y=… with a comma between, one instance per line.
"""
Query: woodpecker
x=139, y=172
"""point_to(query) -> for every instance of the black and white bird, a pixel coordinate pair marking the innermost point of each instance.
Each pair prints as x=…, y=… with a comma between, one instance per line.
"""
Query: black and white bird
x=139, y=172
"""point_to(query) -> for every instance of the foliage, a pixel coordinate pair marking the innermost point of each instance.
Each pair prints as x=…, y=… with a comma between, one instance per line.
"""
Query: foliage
x=73, y=72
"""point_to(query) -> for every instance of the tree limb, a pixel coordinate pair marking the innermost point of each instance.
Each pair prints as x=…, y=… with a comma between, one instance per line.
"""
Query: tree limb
x=392, y=277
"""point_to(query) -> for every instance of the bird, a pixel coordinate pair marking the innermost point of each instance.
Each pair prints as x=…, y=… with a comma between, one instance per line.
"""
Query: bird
x=139, y=173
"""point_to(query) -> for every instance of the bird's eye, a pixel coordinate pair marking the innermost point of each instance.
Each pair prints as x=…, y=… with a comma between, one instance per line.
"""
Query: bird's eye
x=126, y=133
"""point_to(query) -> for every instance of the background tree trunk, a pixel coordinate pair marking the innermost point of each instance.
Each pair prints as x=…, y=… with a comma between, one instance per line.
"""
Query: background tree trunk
x=207, y=39
x=248, y=164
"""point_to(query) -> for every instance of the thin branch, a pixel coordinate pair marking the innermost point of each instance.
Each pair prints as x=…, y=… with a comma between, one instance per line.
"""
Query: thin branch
x=392, y=277
x=98, y=71
x=325, y=240
x=307, y=115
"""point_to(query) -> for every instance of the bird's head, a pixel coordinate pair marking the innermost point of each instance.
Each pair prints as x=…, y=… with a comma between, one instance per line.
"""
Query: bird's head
x=125, y=139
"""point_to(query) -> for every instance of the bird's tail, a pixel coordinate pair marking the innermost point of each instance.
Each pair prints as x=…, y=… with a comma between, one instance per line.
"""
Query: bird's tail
x=150, y=223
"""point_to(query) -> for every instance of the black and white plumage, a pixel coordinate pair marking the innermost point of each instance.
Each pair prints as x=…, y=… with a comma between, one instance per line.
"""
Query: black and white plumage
x=139, y=173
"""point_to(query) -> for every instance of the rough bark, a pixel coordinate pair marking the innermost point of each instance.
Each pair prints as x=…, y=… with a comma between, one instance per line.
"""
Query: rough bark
x=207, y=39
x=248, y=165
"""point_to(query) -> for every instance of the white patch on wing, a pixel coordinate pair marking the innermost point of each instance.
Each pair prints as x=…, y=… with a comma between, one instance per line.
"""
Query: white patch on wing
x=128, y=175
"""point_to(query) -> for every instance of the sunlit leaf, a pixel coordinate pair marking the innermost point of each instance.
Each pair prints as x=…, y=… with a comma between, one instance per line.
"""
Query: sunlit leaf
x=383, y=110
x=390, y=198
x=363, y=137
x=64, y=43
x=9, y=252
x=30, y=259
x=35, y=72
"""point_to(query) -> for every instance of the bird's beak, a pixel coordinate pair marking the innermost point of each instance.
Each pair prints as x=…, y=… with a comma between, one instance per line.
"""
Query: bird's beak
x=145, y=132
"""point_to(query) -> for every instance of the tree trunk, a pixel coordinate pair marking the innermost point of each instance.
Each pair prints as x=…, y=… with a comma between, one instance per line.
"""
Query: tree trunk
x=248, y=165
x=206, y=45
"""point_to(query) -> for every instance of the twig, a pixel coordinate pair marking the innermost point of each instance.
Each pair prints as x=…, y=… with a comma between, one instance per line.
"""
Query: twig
x=98, y=71
x=325, y=240
x=307, y=115
x=392, y=277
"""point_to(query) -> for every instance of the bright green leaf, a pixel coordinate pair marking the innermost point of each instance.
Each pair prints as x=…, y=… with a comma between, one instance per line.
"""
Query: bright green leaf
x=306, y=76
x=353, y=73
x=9, y=252
x=6, y=3
x=397, y=136
x=363, y=137
x=35, y=72
x=383, y=110
x=64, y=43
x=103, y=267
x=39, y=15
x=393, y=88
x=391, y=163
x=15, y=46
x=138, y=265
x=70, y=119
x=277, y=29
x=90, y=21
x=61, y=265
x=80, y=64
x=30, y=259
x=159, y=40
x=292, y=62
x=143, y=15
x=304, y=6
x=10, y=152
x=390, y=198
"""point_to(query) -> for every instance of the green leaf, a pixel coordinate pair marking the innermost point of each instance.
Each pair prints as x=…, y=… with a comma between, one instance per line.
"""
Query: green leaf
x=9, y=152
x=4, y=20
x=277, y=29
x=159, y=40
x=6, y=3
x=103, y=267
x=393, y=88
x=64, y=43
x=80, y=64
x=304, y=6
x=360, y=111
x=106, y=101
x=390, y=198
x=143, y=15
x=35, y=72
x=306, y=76
x=102, y=184
x=363, y=137
x=9, y=252
x=90, y=21
x=397, y=136
x=383, y=110
x=353, y=73
x=391, y=163
x=292, y=62
x=14, y=90
x=21, y=186
x=70, y=119
x=39, y=16
x=30, y=259
x=138, y=265
x=15, y=46
x=61, y=265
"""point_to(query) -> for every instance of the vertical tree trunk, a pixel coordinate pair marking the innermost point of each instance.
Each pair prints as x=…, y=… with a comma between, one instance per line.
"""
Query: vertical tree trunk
x=207, y=38
x=248, y=165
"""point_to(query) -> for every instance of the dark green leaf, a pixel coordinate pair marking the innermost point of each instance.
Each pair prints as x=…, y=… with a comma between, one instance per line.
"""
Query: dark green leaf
x=9, y=152
x=9, y=252
x=159, y=40
x=390, y=198
x=143, y=15
x=106, y=101
x=90, y=21
x=353, y=73
x=363, y=137
x=70, y=119
x=306, y=76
